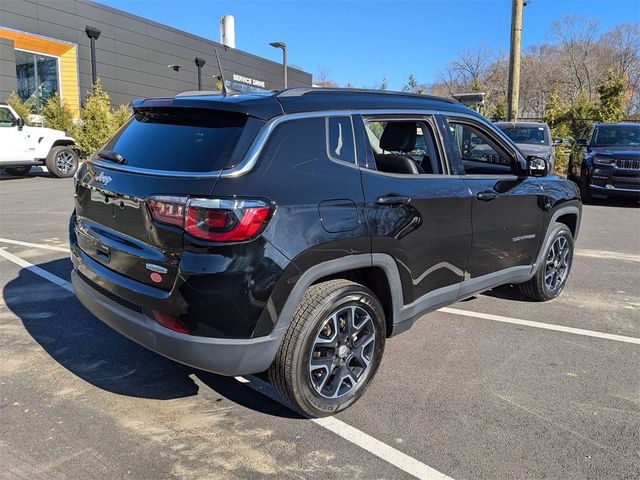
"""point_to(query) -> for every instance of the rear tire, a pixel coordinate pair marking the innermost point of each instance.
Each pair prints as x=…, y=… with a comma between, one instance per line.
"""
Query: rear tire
x=332, y=348
x=62, y=162
x=17, y=171
x=552, y=273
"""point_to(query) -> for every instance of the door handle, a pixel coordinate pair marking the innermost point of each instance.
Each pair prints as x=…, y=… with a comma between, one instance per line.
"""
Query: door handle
x=393, y=200
x=487, y=196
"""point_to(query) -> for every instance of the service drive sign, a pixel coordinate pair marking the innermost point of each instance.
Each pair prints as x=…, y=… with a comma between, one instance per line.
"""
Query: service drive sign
x=248, y=81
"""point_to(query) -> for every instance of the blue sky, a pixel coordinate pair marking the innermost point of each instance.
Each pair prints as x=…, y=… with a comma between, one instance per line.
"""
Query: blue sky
x=360, y=41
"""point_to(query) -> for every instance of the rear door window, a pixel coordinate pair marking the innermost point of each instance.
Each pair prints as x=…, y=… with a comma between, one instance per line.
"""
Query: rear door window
x=403, y=146
x=179, y=139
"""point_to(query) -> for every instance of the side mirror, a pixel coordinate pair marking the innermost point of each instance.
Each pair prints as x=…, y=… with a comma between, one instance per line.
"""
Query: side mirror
x=582, y=142
x=537, y=166
x=20, y=123
x=557, y=142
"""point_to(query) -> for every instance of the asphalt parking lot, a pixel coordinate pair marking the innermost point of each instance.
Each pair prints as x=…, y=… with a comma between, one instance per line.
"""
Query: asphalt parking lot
x=470, y=392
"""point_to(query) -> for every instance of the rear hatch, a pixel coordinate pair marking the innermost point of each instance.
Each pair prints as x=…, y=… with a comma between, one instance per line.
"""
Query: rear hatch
x=169, y=152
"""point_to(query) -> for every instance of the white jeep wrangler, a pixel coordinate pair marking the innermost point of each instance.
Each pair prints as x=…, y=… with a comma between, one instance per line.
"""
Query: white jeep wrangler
x=22, y=147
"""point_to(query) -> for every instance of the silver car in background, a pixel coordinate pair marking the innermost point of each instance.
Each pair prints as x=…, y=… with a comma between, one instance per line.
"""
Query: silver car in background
x=532, y=138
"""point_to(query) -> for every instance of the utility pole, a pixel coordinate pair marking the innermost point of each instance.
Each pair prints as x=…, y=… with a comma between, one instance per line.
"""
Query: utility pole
x=514, y=60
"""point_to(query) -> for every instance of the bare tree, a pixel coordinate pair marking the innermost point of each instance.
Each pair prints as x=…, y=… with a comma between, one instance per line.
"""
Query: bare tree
x=579, y=60
x=323, y=79
x=473, y=70
x=621, y=46
x=576, y=37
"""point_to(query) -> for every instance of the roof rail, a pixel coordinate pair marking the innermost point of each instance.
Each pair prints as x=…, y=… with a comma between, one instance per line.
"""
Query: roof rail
x=300, y=91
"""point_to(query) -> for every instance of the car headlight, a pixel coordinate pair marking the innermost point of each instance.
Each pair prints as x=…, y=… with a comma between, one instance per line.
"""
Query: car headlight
x=604, y=160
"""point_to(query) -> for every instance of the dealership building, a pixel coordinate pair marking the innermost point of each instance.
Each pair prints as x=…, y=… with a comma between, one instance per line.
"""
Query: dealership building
x=45, y=48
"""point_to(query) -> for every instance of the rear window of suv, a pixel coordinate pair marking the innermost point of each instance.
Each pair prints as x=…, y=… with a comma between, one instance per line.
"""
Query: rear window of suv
x=179, y=139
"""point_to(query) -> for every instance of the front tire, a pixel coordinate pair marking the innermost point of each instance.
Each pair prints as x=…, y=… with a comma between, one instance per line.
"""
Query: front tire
x=332, y=348
x=552, y=273
x=62, y=162
x=585, y=191
x=17, y=171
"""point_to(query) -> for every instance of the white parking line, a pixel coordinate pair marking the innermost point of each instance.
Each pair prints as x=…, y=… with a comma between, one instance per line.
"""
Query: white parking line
x=546, y=326
x=625, y=257
x=355, y=436
x=372, y=445
x=35, y=245
x=37, y=270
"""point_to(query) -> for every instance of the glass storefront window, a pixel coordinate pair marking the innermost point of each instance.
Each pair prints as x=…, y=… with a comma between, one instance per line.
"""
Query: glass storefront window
x=37, y=78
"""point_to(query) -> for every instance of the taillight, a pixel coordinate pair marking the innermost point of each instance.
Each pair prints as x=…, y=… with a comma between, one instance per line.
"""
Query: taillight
x=218, y=220
x=167, y=209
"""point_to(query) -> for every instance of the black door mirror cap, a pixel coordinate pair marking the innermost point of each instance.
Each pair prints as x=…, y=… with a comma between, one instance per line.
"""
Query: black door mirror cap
x=582, y=142
x=537, y=166
x=20, y=123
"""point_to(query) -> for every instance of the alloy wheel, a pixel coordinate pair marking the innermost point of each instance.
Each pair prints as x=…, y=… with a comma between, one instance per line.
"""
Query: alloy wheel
x=557, y=264
x=342, y=351
x=65, y=162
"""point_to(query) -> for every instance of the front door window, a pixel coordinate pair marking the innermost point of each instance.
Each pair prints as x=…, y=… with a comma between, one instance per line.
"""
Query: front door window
x=6, y=118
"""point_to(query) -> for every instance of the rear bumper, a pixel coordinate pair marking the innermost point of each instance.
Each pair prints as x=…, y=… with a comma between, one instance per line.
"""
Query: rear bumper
x=218, y=355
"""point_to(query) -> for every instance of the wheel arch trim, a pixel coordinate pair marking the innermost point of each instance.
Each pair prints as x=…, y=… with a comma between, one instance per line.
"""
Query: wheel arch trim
x=343, y=265
x=568, y=210
x=64, y=142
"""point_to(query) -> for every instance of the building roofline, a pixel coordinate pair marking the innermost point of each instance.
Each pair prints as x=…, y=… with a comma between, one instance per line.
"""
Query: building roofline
x=183, y=32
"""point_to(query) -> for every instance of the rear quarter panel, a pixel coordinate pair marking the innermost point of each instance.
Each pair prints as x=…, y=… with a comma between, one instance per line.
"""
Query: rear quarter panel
x=319, y=204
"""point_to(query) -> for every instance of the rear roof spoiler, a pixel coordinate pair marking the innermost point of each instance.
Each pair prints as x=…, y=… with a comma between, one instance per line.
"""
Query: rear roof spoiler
x=264, y=107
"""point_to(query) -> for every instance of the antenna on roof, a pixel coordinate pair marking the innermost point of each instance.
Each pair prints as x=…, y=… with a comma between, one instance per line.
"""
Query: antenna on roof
x=226, y=90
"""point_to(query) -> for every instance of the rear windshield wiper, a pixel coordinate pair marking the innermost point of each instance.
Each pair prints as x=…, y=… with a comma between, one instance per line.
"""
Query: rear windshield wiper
x=112, y=156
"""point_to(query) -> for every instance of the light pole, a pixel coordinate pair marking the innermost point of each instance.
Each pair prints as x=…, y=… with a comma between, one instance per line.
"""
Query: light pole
x=283, y=46
x=93, y=33
x=176, y=68
x=200, y=63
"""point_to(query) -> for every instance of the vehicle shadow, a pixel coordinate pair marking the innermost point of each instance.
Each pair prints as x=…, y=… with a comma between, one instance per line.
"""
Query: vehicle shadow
x=85, y=346
x=94, y=352
x=237, y=392
x=507, y=292
x=32, y=174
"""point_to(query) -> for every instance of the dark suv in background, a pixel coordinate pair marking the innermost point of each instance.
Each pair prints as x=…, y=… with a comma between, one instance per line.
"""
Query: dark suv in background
x=294, y=232
x=611, y=163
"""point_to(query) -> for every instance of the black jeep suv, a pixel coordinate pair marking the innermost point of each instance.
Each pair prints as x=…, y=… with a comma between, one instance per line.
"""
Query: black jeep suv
x=611, y=164
x=294, y=232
